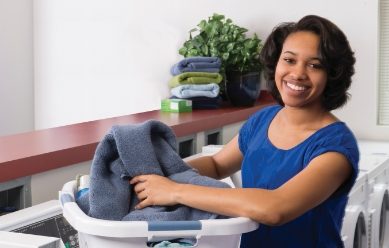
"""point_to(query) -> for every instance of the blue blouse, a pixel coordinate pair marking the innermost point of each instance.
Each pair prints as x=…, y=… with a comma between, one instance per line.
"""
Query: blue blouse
x=268, y=167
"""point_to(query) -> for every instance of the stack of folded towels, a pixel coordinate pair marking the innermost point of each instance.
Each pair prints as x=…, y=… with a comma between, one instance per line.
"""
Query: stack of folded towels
x=197, y=79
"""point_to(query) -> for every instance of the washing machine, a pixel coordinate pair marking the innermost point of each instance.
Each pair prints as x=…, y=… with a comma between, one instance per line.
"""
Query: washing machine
x=31, y=227
x=373, y=147
x=377, y=169
x=378, y=208
x=355, y=222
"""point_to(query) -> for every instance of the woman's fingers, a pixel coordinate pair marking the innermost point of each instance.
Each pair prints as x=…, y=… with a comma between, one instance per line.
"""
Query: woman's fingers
x=139, y=187
x=144, y=201
x=142, y=195
x=153, y=190
x=139, y=183
x=138, y=179
x=142, y=204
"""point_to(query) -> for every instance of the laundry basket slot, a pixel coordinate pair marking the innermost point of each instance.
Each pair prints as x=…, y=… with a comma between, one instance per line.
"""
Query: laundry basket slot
x=173, y=225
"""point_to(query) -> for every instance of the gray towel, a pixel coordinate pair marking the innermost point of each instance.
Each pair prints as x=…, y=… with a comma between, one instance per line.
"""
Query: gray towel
x=132, y=150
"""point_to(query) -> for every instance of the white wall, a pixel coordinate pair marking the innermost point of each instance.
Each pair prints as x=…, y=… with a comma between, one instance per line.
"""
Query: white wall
x=101, y=58
x=16, y=70
x=96, y=59
x=361, y=112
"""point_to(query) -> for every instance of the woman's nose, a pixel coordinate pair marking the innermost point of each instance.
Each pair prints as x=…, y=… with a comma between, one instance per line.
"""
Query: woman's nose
x=299, y=72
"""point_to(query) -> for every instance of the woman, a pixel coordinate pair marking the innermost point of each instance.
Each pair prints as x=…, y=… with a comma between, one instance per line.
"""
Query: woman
x=298, y=160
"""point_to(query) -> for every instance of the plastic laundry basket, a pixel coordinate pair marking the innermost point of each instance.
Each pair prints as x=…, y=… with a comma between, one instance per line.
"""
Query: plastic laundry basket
x=97, y=233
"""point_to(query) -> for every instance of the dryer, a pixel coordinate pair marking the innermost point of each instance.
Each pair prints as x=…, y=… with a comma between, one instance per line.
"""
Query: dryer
x=378, y=208
x=355, y=222
x=375, y=162
x=373, y=147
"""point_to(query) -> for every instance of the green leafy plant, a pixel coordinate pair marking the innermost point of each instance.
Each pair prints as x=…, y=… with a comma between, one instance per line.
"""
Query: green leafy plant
x=220, y=37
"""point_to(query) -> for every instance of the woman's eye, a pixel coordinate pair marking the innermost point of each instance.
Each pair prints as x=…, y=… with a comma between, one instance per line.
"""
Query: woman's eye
x=288, y=60
x=315, y=66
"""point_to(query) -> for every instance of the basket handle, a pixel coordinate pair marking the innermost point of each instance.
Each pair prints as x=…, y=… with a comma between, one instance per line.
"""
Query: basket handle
x=65, y=197
x=174, y=225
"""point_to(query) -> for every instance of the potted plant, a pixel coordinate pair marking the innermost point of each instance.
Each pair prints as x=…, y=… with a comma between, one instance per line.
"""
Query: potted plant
x=220, y=37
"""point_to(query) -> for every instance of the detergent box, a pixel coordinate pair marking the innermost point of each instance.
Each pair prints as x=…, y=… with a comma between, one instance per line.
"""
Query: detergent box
x=176, y=105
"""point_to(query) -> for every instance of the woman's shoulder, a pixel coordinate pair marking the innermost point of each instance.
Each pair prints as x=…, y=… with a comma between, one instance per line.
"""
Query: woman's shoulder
x=336, y=129
x=263, y=116
x=266, y=112
x=337, y=136
x=256, y=124
x=270, y=109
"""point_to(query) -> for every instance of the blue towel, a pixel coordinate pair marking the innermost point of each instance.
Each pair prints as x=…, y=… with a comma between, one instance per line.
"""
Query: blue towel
x=172, y=244
x=196, y=64
x=131, y=150
x=195, y=90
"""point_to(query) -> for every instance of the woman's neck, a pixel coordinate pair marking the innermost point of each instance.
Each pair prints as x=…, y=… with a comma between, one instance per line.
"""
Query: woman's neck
x=306, y=118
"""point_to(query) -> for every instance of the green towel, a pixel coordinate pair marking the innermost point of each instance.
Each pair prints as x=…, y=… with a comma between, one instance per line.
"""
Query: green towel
x=195, y=78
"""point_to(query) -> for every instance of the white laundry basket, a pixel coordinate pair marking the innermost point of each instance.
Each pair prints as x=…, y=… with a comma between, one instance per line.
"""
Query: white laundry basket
x=97, y=233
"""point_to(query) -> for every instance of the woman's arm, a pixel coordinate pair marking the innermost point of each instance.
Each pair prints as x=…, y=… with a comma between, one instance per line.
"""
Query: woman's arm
x=223, y=164
x=322, y=177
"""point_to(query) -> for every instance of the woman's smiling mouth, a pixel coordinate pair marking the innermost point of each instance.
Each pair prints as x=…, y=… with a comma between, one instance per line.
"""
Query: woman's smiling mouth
x=295, y=87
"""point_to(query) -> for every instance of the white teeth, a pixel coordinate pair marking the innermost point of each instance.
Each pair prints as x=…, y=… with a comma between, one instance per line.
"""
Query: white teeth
x=295, y=87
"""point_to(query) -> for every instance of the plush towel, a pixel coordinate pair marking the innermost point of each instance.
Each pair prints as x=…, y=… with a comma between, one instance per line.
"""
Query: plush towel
x=203, y=102
x=199, y=64
x=173, y=244
x=195, y=78
x=195, y=90
x=132, y=150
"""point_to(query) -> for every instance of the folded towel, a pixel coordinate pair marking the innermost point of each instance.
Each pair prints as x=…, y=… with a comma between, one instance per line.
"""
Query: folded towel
x=172, y=244
x=132, y=150
x=195, y=78
x=194, y=90
x=203, y=102
x=199, y=64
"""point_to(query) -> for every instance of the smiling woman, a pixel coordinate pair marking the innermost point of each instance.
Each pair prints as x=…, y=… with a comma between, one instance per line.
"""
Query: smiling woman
x=336, y=62
x=300, y=76
x=298, y=161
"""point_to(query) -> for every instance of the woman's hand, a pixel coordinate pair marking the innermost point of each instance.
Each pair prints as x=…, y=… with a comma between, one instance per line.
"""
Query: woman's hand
x=154, y=190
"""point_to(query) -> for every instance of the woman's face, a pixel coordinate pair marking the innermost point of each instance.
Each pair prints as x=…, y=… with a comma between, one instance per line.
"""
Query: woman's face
x=300, y=77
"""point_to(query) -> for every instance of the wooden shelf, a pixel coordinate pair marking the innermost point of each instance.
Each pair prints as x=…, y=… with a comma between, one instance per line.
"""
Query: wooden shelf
x=38, y=151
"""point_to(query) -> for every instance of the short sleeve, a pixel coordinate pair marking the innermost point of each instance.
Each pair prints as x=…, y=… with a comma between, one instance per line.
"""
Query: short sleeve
x=259, y=119
x=245, y=132
x=243, y=137
x=345, y=144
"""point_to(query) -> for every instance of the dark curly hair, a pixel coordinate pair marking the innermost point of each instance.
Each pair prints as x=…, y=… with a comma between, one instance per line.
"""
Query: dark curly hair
x=335, y=52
